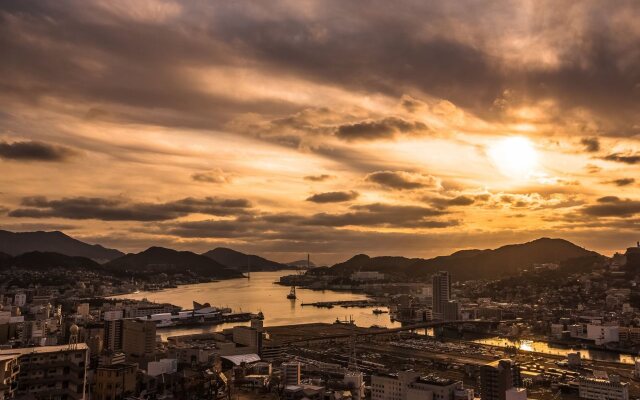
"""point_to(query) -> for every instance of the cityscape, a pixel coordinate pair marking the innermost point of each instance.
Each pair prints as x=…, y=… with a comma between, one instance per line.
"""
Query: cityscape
x=319, y=200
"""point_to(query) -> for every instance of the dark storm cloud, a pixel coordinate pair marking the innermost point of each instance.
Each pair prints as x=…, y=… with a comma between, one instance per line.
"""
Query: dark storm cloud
x=399, y=180
x=591, y=144
x=386, y=128
x=34, y=151
x=623, y=181
x=317, y=178
x=626, y=158
x=446, y=63
x=333, y=197
x=116, y=209
x=612, y=206
x=87, y=53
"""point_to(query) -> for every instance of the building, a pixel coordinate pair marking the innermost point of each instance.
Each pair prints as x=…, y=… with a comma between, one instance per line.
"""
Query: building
x=51, y=372
x=603, y=389
x=20, y=299
x=441, y=284
x=113, y=334
x=516, y=394
x=138, y=338
x=497, y=378
x=603, y=334
x=451, y=311
x=83, y=309
x=115, y=381
x=409, y=385
x=290, y=373
x=249, y=336
x=9, y=370
x=355, y=381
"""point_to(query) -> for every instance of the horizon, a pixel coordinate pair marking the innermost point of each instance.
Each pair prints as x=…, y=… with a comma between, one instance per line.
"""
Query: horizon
x=288, y=128
x=269, y=257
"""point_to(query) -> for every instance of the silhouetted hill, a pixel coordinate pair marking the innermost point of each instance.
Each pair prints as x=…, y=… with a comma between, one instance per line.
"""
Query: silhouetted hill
x=15, y=243
x=38, y=260
x=472, y=264
x=237, y=260
x=162, y=260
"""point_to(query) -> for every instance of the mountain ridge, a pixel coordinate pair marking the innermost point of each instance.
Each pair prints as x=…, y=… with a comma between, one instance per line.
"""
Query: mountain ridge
x=157, y=259
x=16, y=243
x=239, y=261
x=472, y=264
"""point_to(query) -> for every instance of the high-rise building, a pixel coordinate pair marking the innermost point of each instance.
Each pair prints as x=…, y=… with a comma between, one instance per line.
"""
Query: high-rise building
x=498, y=377
x=47, y=370
x=138, y=338
x=290, y=373
x=113, y=334
x=441, y=283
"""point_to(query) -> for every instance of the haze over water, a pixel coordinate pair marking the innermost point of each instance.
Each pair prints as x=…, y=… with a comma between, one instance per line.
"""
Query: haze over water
x=260, y=293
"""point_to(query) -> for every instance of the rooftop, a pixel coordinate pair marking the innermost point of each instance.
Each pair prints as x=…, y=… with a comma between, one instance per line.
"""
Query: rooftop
x=43, y=349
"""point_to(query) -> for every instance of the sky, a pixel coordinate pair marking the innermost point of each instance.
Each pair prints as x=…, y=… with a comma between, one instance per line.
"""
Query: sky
x=282, y=128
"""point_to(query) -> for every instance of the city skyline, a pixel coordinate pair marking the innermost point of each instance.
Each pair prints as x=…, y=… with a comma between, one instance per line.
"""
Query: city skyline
x=288, y=128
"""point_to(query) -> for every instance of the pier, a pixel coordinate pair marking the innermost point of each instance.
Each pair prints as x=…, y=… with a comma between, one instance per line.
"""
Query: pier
x=345, y=304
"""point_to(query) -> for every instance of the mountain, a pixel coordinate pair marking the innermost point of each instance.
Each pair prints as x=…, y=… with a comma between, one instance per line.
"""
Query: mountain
x=15, y=243
x=237, y=260
x=37, y=260
x=472, y=264
x=156, y=260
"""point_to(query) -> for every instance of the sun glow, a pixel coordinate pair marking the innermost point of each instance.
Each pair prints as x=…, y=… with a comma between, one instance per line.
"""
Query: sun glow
x=515, y=157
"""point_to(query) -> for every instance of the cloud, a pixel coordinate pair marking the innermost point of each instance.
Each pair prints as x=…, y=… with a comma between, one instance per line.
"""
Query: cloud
x=118, y=209
x=385, y=215
x=34, y=151
x=627, y=158
x=333, y=197
x=623, y=181
x=318, y=178
x=591, y=144
x=612, y=206
x=217, y=176
x=387, y=128
x=401, y=180
x=462, y=200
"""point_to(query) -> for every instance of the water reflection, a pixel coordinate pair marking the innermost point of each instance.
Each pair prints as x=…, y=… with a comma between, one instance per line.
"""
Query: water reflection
x=261, y=294
x=544, y=347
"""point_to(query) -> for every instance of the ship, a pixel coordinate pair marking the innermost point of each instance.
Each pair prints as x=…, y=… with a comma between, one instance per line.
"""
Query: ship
x=346, y=321
x=379, y=311
x=292, y=294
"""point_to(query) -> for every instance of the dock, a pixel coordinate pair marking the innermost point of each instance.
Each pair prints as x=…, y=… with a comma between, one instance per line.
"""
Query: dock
x=345, y=304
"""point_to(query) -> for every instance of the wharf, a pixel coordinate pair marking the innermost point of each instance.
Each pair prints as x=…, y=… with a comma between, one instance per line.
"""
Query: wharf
x=345, y=304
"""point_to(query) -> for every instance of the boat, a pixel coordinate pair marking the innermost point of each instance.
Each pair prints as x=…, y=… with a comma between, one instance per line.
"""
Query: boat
x=292, y=294
x=346, y=321
x=379, y=311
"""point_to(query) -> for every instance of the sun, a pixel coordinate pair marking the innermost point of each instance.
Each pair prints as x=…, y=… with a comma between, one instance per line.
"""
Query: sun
x=515, y=157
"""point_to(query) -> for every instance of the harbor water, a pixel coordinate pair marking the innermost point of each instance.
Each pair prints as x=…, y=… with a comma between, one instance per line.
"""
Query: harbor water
x=260, y=293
